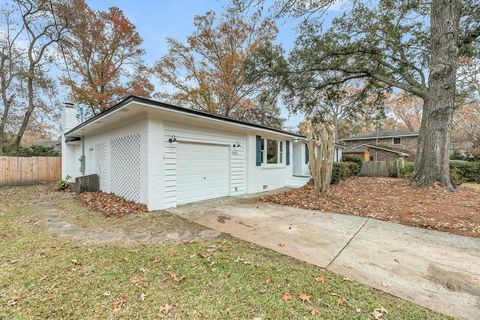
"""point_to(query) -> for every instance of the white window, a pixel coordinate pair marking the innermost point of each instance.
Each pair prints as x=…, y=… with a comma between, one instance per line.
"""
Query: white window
x=273, y=153
x=397, y=141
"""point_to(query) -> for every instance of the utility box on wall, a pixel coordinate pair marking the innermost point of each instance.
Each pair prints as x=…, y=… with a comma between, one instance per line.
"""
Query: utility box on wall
x=88, y=183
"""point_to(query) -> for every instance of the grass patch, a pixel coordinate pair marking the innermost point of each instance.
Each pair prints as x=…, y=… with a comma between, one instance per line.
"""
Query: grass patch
x=42, y=276
x=471, y=185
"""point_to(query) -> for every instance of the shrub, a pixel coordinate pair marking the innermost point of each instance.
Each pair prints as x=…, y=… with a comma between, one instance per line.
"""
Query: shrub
x=408, y=170
x=358, y=160
x=466, y=171
x=63, y=184
x=33, y=151
x=342, y=170
x=457, y=155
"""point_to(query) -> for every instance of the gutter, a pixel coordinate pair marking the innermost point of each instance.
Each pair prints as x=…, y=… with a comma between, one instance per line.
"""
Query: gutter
x=177, y=109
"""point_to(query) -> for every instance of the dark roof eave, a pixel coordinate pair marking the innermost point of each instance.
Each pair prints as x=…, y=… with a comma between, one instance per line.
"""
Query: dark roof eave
x=167, y=106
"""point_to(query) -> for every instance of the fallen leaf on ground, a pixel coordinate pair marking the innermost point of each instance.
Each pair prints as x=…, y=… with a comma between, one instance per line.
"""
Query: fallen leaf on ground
x=174, y=276
x=395, y=200
x=75, y=262
x=110, y=205
x=120, y=301
x=314, y=311
x=321, y=279
x=341, y=301
x=303, y=296
x=379, y=313
x=286, y=297
x=135, y=280
x=13, y=300
x=166, y=308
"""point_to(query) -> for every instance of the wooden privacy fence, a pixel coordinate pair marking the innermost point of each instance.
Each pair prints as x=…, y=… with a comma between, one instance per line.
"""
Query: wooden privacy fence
x=29, y=170
x=391, y=168
x=375, y=169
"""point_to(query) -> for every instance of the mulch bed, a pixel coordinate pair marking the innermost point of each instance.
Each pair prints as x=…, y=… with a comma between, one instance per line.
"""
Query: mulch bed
x=110, y=205
x=395, y=200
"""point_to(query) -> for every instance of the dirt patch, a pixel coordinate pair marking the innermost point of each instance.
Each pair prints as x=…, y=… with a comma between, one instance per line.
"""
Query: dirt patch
x=395, y=200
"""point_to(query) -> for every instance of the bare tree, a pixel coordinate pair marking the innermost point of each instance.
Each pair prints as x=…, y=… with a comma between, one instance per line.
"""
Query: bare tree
x=10, y=59
x=467, y=117
x=43, y=30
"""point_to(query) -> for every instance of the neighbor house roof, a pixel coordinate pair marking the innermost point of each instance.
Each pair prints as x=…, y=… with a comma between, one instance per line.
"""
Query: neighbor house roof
x=382, y=134
x=171, y=107
x=364, y=147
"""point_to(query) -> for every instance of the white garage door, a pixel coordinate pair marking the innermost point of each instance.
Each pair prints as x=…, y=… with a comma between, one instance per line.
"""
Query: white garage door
x=202, y=172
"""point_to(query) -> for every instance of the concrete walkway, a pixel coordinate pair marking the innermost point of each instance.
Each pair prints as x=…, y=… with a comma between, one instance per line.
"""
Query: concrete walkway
x=434, y=269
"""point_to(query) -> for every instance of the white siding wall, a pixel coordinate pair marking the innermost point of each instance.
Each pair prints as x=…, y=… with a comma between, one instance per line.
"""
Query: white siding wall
x=158, y=159
x=99, y=146
x=266, y=177
x=189, y=133
x=70, y=163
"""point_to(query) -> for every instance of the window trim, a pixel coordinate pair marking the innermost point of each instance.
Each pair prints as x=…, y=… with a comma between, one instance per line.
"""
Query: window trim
x=280, y=155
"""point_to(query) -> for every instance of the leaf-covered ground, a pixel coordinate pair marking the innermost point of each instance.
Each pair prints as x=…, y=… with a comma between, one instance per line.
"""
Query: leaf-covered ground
x=42, y=276
x=395, y=200
x=110, y=205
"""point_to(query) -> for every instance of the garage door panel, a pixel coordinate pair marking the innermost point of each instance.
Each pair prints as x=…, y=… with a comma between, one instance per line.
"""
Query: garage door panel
x=202, y=172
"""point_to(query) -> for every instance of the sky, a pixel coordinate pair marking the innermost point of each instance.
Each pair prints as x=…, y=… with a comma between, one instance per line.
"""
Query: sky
x=157, y=20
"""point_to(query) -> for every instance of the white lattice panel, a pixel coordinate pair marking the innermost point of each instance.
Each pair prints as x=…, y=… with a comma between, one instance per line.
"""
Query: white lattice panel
x=101, y=164
x=125, y=166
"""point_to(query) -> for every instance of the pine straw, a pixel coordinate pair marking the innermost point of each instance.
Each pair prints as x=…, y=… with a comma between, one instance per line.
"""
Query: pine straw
x=110, y=205
x=395, y=200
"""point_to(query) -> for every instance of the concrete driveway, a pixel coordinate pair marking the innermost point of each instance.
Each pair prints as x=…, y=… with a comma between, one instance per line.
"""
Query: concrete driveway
x=434, y=269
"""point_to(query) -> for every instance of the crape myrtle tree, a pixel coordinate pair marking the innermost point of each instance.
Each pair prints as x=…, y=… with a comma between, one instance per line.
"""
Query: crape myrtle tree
x=409, y=45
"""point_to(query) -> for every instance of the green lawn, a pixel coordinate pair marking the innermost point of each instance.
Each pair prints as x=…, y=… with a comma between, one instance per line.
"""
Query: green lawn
x=42, y=276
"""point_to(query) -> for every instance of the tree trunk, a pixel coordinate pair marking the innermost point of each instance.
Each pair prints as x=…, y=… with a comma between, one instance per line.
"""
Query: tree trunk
x=3, y=122
x=28, y=113
x=434, y=142
x=320, y=141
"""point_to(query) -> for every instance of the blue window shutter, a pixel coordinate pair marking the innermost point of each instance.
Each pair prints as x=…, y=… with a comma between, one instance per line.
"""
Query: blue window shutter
x=259, y=151
x=307, y=155
x=287, y=159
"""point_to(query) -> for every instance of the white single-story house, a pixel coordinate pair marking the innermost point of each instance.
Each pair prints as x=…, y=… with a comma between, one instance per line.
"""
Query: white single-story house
x=163, y=155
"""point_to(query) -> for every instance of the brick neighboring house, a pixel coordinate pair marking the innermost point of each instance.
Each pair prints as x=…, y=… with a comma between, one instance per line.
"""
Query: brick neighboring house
x=382, y=145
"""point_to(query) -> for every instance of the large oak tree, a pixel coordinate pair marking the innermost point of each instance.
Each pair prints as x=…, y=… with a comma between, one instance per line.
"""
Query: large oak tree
x=412, y=45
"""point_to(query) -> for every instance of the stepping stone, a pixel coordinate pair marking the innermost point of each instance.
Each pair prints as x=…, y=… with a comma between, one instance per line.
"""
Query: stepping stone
x=209, y=233
x=173, y=236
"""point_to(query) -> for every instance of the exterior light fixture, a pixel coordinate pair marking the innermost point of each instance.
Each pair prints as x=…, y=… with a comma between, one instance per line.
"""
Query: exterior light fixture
x=236, y=145
x=296, y=140
x=172, y=140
